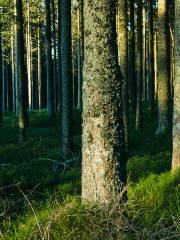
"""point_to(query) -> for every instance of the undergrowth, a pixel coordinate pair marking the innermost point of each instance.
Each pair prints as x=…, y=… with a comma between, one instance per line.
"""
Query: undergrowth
x=40, y=201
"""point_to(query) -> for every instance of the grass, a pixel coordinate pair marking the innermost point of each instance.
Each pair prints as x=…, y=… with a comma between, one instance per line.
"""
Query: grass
x=38, y=201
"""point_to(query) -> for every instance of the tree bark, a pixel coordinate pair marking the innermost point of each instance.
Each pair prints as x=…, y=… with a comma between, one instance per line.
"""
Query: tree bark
x=59, y=70
x=163, y=69
x=21, y=77
x=50, y=80
x=1, y=81
x=132, y=81
x=103, y=152
x=176, y=120
x=67, y=83
x=123, y=59
x=54, y=59
x=139, y=66
x=151, y=58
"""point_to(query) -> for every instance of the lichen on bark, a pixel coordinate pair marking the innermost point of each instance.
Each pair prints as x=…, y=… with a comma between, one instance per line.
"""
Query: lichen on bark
x=104, y=160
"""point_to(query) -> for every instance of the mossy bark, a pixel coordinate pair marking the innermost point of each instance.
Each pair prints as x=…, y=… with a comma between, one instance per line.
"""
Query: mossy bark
x=103, y=152
x=176, y=119
x=163, y=68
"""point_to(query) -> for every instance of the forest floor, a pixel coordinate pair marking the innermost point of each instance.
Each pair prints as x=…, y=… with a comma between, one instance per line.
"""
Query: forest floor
x=38, y=200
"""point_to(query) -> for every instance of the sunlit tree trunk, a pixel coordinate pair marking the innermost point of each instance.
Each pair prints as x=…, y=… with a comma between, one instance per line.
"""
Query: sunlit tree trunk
x=132, y=80
x=151, y=58
x=123, y=59
x=176, y=122
x=80, y=60
x=163, y=69
x=103, y=153
x=28, y=46
x=13, y=70
x=39, y=70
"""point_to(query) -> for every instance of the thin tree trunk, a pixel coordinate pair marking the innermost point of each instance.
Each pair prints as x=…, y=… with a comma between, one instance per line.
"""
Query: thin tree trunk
x=39, y=70
x=23, y=88
x=133, y=83
x=80, y=53
x=16, y=63
x=13, y=70
x=59, y=70
x=139, y=66
x=123, y=60
x=163, y=69
x=151, y=58
x=54, y=59
x=50, y=80
x=29, y=70
x=67, y=83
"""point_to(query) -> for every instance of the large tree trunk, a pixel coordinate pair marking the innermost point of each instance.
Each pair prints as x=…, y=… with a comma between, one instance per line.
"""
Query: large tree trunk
x=50, y=80
x=103, y=153
x=123, y=59
x=67, y=83
x=163, y=69
x=176, y=122
x=21, y=77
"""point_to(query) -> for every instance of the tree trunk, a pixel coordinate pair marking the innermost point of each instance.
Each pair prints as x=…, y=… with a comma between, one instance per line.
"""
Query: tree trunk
x=28, y=45
x=103, y=153
x=163, y=69
x=39, y=70
x=59, y=70
x=176, y=122
x=80, y=53
x=151, y=58
x=54, y=59
x=133, y=84
x=123, y=59
x=23, y=88
x=67, y=83
x=139, y=66
x=1, y=81
x=50, y=80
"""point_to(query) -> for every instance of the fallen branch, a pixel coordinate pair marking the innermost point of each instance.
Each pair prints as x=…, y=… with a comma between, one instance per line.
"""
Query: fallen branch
x=57, y=165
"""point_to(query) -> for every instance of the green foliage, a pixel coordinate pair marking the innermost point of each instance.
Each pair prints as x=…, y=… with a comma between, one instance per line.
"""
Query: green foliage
x=51, y=204
x=158, y=197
